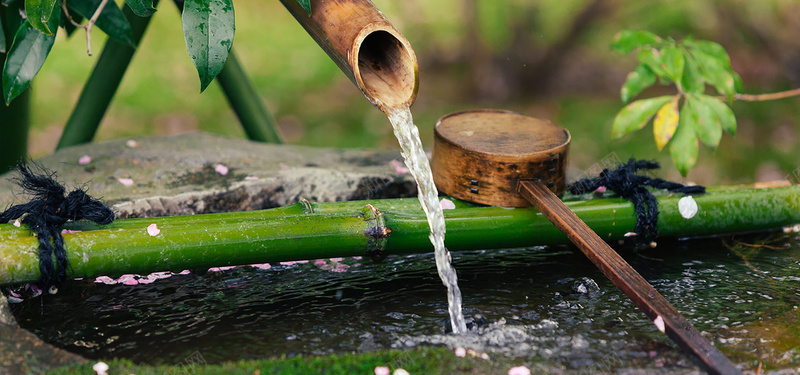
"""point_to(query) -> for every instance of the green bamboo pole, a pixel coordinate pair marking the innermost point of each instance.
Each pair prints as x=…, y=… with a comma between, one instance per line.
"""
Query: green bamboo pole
x=15, y=126
x=323, y=230
x=256, y=120
x=102, y=85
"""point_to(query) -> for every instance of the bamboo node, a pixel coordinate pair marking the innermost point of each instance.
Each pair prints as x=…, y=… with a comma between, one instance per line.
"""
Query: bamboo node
x=377, y=234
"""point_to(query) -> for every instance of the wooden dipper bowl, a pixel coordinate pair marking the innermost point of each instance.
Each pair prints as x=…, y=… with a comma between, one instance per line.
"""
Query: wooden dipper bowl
x=502, y=158
x=481, y=155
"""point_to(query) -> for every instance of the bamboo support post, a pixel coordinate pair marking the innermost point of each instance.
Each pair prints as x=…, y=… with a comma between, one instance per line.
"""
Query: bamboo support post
x=102, y=85
x=323, y=230
x=366, y=47
x=258, y=123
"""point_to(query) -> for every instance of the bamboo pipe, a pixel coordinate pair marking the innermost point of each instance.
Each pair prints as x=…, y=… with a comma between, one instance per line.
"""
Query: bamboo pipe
x=366, y=47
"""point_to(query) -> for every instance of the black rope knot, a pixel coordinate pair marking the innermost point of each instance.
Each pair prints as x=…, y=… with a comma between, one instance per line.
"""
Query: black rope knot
x=45, y=214
x=626, y=183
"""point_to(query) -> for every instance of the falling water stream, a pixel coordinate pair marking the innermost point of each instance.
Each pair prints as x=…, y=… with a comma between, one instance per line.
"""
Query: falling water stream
x=408, y=136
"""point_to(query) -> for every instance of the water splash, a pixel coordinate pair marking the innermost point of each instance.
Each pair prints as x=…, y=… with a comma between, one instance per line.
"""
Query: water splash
x=408, y=136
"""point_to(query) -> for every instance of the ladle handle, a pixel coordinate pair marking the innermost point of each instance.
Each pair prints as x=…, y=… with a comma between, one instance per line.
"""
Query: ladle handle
x=646, y=298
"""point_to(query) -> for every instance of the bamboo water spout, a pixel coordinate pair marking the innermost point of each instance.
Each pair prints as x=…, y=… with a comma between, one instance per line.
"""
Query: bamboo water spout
x=365, y=46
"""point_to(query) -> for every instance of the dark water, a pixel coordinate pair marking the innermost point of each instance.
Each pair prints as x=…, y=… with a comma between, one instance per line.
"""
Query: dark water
x=742, y=292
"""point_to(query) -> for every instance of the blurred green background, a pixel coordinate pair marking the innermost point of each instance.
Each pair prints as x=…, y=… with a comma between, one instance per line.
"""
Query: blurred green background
x=544, y=58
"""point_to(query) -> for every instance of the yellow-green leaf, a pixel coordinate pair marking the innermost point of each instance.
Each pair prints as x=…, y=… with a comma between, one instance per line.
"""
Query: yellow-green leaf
x=39, y=12
x=636, y=115
x=684, y=146
x=721, y=112
x=637, y=81
x=692, y=80
x=672, y=60
x=704, y=121
x=666, y=122
x=628, y=40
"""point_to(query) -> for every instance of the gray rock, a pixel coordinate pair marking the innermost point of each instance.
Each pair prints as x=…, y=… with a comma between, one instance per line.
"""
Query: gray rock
x=180, y=175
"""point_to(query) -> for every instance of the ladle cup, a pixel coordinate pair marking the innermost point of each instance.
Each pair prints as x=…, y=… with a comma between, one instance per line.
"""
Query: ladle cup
x=502, y=158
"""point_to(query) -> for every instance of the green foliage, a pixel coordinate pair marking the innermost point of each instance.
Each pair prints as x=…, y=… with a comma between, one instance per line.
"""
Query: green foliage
x=306, y=4
x=111, y=19
x=208, y=27
x=26, y=56
x=39, y=12
x=691, y=115
x=142, y=8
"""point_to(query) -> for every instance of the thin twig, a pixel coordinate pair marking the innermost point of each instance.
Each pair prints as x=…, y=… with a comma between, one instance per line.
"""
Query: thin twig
x=89, y=24
x=765, y=97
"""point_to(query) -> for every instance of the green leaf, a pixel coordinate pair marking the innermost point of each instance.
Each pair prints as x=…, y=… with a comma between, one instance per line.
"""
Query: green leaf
x=637, y=81
x=624, y=42
x=692, y=80
x=39, y=13
x=712, y=49
x=306, y=4
x=653, y=59
x=715, y=73
x=636, y=115
x=666, y=122
x=25, y=58
x=111, y=20
x=721, y=112
x=737, y=82
x=672, y=58
x=704, y=121
x=141, y=8
x=684, y=146
x=2, y=37
x=208, y=27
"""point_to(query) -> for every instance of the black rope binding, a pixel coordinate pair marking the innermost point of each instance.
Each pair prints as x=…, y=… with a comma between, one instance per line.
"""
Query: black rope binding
x=632, y=186
x=48, y=210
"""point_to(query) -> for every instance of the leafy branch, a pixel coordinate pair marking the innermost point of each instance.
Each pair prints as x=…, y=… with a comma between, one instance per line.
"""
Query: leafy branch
x=28, y=30
x=691, y=115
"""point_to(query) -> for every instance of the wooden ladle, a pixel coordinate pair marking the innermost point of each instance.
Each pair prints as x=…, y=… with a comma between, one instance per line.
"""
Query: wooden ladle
x=501, y=158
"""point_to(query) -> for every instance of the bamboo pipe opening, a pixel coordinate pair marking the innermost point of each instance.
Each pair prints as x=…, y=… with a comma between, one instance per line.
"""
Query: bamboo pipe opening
x=386, y=70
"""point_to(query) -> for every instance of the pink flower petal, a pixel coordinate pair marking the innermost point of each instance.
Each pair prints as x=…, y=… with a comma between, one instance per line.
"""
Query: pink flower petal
x=85, y=159
x=69, y=231
x=519, y=370
x=283, y=166
x=659, y=322
x=184, y=272
x=340, y=268
x=337, y=259
x=398, y=166
x=447, y=204
x=126, y=181
x=153, y=230
x=251, y=178
x=219, y=269
x=381, y=370
x=461, y=352
x=320, y=263
x=264, y=266
x=221, y=169
x=105, y=280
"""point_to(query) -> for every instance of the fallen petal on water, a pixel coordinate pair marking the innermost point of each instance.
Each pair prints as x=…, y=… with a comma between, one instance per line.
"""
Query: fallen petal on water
x=461, y=352
x=381, y=370
x=85, y=159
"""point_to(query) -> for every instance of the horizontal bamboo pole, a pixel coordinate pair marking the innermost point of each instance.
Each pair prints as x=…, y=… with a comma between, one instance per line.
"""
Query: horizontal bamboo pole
x=323, y=230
